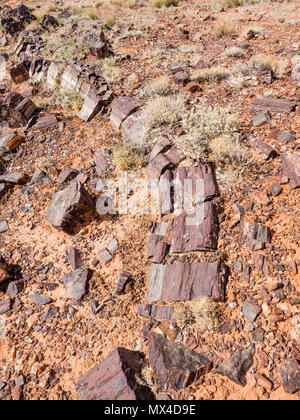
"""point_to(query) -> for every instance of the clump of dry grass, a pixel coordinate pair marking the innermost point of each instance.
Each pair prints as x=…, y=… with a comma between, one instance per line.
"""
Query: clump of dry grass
x=234, y=52
x=67, y=99
x=128, y=157
x=227, y=4
x=212, y=74
x=158, y=87
x=202, y=125
x=263, y=62
x=165, y=3
x=111, y=72
x=203, y=313
x=229, y=151
x=224, y=28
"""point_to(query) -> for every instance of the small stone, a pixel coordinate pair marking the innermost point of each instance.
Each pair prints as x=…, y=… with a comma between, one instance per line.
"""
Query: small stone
x=40, y=299
x=76, y=283
x=275, y=189
x=105, y=256
x=264, y=382
x=290, y=376
x=5, y=306
x=113, y=246
x=251, y=311
x=3, y=226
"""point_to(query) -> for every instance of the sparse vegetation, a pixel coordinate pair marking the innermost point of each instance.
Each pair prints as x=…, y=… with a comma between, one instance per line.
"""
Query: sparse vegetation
x=128, y=157
x=67, y=99
x=111, y=72
x=165, y=3
x=212, y=74
x=202, y=313
x=158, y=87
x=234, y=52
x=263, y=62
x=224, y=28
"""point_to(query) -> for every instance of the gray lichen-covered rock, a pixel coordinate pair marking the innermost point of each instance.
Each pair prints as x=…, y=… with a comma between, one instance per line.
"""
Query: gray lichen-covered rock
x=77, y=282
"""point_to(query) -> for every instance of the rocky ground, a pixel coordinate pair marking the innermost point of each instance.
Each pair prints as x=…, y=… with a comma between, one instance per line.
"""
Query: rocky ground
x=196, y=313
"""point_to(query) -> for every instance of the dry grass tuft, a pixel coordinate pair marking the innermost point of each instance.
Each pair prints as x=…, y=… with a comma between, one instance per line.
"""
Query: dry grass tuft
x=165, y=3
x=128, y=157
x=111, y=72
x=67, y=99
x=263, y=62
x=203, y=313
x=229, y=151
x=234, y=52
x=158, y=87
x=224, y=28
x=213, y=74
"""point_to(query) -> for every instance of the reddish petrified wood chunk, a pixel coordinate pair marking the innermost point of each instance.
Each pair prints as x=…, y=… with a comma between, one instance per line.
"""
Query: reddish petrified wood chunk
x=156, y=311
x=254, y=236
x=115, y=378
x=186, y=281
x=262, y=148
x=291, y=166
x=269, y=103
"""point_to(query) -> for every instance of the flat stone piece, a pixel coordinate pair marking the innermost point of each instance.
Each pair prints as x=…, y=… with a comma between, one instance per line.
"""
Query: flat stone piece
x=285, y=136
x=291, y=167
x=158, y=165
x=161, y=145
x=70, y=207
x=67, y=175
x=156, y=311
x=262, y=148
x=105, y=256
x=19, y=73
x=194, y=231
x=46, y=121
x=254, y=236
x=121, y=108
x=14, y=288
x=186, y=281
x=237, y=367
x=175, y=365
x=40, y=299
x=5, y=306
x=269, y=103
x=13, y=178
x=261, y=118
x=76, y=283
x=3, y=226
x=251, y=311
x=115, y=378
x=123, y=280
x=290, y=376
x=161, y=250
x=113, y=246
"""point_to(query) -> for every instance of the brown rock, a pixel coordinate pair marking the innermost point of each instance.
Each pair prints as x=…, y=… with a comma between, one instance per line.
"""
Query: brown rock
x=262, y=148
x=14, y=178
x=175, y=366
x=265, y=383
x=115, y=378
x=291, y=166
x=269, y=103
x=102, y=161
x=11, y=142
x=5, y=306
x=237, y=367
x=254, y=236
x=290, y=376
x=121, y=108
x=19, y=73
x=156, y=312
x=3, y=272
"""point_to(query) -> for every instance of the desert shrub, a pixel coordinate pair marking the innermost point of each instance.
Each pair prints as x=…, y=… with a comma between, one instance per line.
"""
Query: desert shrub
x=263, y=62
x=229, y=150
x=111, y=72
x=128, y=157
x=158, y=87
x=212, y=74
x=202, y=125
x=67, y=99
x=224, y=28
x=203, y=313
x=165, y=3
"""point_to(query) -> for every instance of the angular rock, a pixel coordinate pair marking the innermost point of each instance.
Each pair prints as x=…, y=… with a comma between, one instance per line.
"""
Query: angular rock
x=261, y=119
x=49, y=21
x=11, y=142
x=102, y=161
x=158, y=165
x=14, y=288
x=285, y=136
x=115, y=378
x=52, y=75
x=186, y=281
x=251, y=311
x=156, y=312
x=121, y=108
x=237, y=367
x=74, y=257
x=296, y=72
x=67, y=175
x=159, y=231
x=269, y=103
x=100, y=50
x=105, y=256
x=5, y=306
x=123, y=280
x=40, y=299
x=291, y=167
x=254, y=236
x=15, y=178
x=290, y=376
x=161, y=250
x=92, y=105
x=76, y=283
x=194, y=232
x=45, y=121
x=262, y=148
x=276, y=189
x=3, y=226
x=4, y=188
x=17, y=110
x=162, y=144
x=134, y=129
x=19, y=73
x=3, y=272
x=113, y=246
x=175, y=366
x=70, y=208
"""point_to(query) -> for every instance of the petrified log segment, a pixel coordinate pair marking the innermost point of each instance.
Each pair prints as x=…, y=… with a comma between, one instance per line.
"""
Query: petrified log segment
x=175, y=365
x=237, y=367
x=121, y=108
x=194, y=231
x=102, y=161
x=186, y=281
x=70, y=207
x=269, y=103
x=134, y=129
x=254, y=236
x=290, y=376
x=115, y=378
x=156, y=311
x=262, y=148
x=291, y=166
x=17, y=110
x=158, y=233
